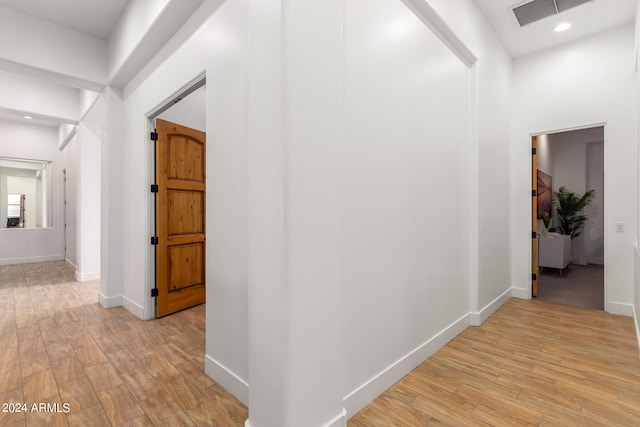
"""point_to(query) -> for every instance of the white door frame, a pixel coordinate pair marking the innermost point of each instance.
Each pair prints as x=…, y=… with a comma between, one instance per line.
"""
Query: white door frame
x=193, y=85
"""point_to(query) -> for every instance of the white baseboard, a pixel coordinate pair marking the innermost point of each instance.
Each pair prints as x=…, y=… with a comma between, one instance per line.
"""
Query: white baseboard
x=70, y=264
x=84, y=277
x=521, y=293
x=133, y=308
x=477, y=319
x=367, y=392
x=109, y=302
x=227, y=379
x=618, y=308
x=339, y=421
x=29, y=260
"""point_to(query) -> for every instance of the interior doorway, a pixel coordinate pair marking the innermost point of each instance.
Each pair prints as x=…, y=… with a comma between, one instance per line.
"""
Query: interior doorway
x=568, y=251
x=177, y=207
x=180, y=217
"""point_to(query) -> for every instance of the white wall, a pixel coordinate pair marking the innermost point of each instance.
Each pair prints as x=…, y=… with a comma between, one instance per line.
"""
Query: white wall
x=489, y=157
x=591, y=81
x=263, y=300
x=405, y=189
x=37, y=244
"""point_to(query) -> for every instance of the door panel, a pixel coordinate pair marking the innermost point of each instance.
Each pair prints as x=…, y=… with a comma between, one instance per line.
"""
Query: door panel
x=186, y=158
x=187, y=208
x=180, y=217
x=185, y=263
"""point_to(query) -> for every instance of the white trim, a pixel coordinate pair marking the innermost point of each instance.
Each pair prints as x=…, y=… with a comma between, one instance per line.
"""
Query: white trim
x=68, y=138
x=193, y=85
x=476, y=319
x=29, y=260
x=133, y=308
x=84, y=277
x=109, y=302
x=339, y=421
x=367, y=392
x=618, y=308
x=70, y=264
x=227, y=379
x=569, y=129
x=427, y=14
x=521, y=293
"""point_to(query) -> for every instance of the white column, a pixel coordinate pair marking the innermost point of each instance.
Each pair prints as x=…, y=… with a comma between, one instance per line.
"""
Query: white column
x=111, y=209
x=295, y=148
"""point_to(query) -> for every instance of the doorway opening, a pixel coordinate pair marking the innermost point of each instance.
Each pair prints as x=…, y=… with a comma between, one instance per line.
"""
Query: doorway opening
x=177, y=204
x=568, y=203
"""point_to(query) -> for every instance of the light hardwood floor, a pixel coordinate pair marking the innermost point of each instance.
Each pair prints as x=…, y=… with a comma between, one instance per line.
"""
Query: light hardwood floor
x=57, y=345
x=530, y=364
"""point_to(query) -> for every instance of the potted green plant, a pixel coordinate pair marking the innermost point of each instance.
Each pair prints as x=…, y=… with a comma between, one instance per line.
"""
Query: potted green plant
x=569, y=206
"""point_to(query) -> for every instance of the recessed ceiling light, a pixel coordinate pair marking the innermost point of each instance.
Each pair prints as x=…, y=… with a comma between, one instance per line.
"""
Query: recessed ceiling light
x=28, y=117
x=564, y=26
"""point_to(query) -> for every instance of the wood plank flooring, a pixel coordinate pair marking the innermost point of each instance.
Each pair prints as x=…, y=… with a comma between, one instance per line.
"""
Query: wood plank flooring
x=530, y=364
x=57, y=345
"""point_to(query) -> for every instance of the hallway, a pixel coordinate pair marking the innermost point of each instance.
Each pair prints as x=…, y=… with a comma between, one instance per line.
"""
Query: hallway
x=57, y=345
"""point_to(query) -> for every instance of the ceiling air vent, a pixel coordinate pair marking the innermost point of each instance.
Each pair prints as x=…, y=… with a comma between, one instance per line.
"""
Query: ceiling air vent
x=536, y=10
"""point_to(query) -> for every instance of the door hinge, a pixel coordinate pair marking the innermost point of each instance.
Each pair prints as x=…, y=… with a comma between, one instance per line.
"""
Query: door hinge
x=154, y=240
x=534, y=276
x=534, y=234
x=533, y=151
x=534, y=193
x=154, y=292
x=154, y=136
x=154, y=188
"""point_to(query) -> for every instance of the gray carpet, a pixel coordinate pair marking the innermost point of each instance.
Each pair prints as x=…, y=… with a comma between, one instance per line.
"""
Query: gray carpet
x=579, y=286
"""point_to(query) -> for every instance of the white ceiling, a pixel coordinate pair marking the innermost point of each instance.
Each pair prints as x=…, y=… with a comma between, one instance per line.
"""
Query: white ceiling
x=98, y=18
x=94, y=17
x=588, y=19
